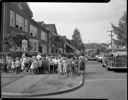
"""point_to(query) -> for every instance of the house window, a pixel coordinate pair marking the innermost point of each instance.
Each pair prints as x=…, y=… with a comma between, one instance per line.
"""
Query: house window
x=31, y=44
x=33, y=31
x=19, y=22
x=34, y=45
x=43, y=36
x=44, y=48
x=26, y=25
x=12, y=18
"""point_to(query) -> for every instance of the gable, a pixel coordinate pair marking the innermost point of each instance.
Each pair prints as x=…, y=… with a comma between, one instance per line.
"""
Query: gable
x=51, y=27
x=22, y=8
x=28, y=9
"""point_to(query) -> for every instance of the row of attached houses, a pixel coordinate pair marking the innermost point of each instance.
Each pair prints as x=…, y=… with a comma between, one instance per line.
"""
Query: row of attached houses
x=17, y=18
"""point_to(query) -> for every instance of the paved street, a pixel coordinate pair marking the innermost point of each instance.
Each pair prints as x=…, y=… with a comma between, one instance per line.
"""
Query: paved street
x=100, y=83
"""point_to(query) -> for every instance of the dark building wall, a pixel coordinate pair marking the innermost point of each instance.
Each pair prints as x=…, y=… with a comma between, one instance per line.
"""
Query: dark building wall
x=32, y=22
x=40, y=28
x=4, y=23
x=24, y=12
x=1, y=19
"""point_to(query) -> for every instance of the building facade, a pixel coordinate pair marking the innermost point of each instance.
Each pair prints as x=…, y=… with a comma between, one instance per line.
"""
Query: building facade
x=17, y=19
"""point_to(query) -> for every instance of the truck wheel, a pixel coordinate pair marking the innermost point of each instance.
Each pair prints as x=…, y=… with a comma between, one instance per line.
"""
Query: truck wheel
x=108, y=68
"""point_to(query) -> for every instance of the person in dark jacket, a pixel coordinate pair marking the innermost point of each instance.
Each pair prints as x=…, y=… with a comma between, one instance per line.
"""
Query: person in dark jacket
x=82, y=63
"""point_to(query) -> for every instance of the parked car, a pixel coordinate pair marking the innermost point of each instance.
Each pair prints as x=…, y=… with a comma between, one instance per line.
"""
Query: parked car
x=92, y=58
x=99, y=58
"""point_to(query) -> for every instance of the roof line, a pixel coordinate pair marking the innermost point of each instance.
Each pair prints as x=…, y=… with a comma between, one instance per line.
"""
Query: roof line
x=29, y=10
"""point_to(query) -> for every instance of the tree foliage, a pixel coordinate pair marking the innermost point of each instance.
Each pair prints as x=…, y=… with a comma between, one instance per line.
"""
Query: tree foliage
x=121, y=30
x=76, y=40
x=97, y=48
x=15, y=40
x=56, y=41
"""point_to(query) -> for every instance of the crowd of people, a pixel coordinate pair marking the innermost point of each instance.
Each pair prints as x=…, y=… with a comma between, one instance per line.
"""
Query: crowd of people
x=41, y=65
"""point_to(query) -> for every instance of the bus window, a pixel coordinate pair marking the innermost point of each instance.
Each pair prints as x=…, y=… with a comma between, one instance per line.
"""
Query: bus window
x=121, y=61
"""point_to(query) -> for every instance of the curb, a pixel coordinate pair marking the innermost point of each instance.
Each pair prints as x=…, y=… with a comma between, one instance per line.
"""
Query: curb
x=63, y=90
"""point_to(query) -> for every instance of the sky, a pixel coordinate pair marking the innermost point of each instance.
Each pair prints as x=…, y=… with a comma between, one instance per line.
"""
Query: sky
x=92, y=19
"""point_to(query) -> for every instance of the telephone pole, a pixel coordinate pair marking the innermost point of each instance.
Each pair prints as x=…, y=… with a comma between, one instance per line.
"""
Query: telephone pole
x=111, y=35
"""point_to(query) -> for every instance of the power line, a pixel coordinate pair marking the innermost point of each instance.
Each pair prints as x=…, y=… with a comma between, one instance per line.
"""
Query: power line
x=111, y=35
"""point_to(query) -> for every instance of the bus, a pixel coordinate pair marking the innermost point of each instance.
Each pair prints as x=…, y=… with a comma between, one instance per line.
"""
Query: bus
x=115, y=61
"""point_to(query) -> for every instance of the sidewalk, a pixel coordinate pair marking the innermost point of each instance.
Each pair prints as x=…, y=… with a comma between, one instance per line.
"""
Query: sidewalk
x=41, y=84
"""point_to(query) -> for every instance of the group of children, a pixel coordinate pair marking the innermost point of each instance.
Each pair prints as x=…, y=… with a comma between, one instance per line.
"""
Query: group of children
x=39, y=65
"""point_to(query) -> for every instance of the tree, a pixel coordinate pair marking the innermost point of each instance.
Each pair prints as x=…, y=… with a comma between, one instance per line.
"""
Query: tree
x=76, y=40
x=121, y=30
x=13, y=40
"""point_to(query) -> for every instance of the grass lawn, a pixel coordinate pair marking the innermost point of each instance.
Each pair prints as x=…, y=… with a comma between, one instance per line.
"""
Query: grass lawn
x=51, y=85
x=7, y=78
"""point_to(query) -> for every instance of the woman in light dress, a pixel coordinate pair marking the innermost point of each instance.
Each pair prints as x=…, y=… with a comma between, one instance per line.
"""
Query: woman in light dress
x=23, y=61
x=13, y=65
x=32, y=68
x=9, y=64
x=60, y=67
x=65, y=64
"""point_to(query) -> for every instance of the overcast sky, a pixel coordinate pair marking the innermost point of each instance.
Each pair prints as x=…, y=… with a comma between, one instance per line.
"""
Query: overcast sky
x=92, y=19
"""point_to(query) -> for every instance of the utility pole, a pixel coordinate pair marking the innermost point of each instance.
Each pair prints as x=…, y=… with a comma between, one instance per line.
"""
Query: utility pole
x=111, y=35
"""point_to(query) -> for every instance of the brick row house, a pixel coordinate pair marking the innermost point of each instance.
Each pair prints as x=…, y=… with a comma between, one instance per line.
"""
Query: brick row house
x=53, y=31
x=17, y=19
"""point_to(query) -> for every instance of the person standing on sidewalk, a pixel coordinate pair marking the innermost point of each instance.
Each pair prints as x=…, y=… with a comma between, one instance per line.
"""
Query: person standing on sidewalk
x=2, y=65
x=65, y=65
x=8, y=64
x=17, y=63
x=32, y=66
x=39, y=56
x=55, y=65
x=82, y=62
x=36, y=71
x=40, y=65
x=59, y=67
x=23, y=63
x=69, y=70
x=13, y=67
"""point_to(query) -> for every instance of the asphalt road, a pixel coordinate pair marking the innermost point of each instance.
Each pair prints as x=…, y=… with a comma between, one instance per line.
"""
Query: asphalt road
x=99, y=84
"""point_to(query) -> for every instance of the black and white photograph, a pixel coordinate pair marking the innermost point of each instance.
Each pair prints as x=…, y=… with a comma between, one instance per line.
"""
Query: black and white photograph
x=65, y=50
